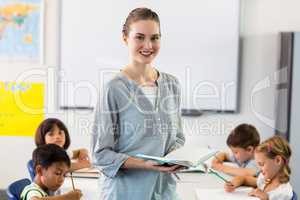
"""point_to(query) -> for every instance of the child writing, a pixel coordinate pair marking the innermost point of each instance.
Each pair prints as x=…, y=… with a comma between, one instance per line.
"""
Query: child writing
x=51, y=163
x=53, y=131
x=272, y=157
x=242, y=142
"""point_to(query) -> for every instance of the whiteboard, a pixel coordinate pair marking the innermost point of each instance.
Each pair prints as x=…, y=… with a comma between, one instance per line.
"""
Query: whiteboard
x=199, y=45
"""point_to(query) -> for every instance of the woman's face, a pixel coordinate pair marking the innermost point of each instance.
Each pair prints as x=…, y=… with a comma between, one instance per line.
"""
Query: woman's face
x=143, y=41
x=55, y=136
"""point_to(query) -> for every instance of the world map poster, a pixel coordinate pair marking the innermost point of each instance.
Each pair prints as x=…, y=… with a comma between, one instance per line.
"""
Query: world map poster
x=21, y=30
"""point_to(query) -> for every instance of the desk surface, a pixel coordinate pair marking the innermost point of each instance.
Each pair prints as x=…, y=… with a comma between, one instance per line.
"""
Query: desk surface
x=90, y=187
x=186, y=186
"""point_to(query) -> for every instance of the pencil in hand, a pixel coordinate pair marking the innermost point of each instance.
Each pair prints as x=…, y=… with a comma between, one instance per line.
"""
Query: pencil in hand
x=215, y=156
x=219, y=176
x=72, y=181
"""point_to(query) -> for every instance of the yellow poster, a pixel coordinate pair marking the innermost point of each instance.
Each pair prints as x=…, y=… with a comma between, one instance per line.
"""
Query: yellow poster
x=21, y=108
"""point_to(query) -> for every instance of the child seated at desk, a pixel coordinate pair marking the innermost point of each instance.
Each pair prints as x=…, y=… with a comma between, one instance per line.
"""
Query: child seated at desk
x=272, y=157
x=53, y=131
x=51, y=163
x=242, y=142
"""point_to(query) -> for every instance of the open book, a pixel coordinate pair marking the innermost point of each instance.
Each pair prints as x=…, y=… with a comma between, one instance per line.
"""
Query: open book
x=221, y=194
x=192, y=158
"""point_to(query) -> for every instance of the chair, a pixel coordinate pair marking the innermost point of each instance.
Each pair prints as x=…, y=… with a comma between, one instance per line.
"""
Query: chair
x=15, y=189
x=31, y=169
x=294, y=196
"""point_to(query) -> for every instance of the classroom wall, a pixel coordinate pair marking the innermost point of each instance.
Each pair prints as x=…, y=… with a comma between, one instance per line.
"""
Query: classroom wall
x=261, y=20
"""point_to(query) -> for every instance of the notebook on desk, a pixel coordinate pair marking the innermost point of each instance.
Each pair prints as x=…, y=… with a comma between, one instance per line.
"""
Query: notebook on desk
x=220, y=194
x=192, y=158
x=85, y=173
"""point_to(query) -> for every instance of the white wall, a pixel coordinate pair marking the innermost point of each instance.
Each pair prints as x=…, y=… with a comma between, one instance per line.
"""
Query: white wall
x=261, y=20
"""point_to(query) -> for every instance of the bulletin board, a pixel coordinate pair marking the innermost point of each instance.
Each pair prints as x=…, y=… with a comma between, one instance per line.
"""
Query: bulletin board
x=21, y=108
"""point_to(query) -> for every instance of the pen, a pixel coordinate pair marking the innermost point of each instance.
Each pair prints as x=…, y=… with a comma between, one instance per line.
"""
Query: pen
x=72, y=181
x=219, y=176
x=214, y=154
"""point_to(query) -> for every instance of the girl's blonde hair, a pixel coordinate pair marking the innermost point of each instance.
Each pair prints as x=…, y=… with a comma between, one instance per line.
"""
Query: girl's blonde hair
x=277, y=146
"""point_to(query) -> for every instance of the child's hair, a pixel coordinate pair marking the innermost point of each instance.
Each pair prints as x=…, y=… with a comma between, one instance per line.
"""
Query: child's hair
x=46, y=126
x=243, y=136
x=278, y=146
x=139, y=14
x=46, y=155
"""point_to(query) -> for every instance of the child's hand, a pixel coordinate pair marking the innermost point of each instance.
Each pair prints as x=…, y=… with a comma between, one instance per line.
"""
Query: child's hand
x=84, y=164
x=217, y=165
x=234, y=183
x=229, y=187
x=74, y=195
x=217, y=160
x=260, y=194
x=83, y=154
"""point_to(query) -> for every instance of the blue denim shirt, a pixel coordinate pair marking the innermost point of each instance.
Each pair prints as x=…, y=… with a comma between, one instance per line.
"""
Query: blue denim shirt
x=127, y=123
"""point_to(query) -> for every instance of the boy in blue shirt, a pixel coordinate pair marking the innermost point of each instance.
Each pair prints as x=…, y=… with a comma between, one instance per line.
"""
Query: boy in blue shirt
x=242, y=142
x=51, y=163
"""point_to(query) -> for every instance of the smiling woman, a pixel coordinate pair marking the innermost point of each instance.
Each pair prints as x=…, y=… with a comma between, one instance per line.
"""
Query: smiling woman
x=141, y=33
x=143, y=41
x=138, y=116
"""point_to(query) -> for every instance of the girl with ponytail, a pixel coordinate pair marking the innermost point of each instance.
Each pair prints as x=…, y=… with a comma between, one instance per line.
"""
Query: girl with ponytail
x=272, y=157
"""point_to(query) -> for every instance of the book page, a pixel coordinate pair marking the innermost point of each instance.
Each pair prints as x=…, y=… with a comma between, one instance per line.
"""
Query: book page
x=87, y=170
x=185, y=156
x=86, y=173
x=220, y=194
x=191, y=154
x=159, y=160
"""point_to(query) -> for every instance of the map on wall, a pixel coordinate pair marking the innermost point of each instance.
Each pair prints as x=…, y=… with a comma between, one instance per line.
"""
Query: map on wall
x=21, y=108
x=21, y=30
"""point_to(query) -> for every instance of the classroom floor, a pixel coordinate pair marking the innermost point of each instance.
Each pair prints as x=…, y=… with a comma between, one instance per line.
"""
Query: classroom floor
x=3, y=195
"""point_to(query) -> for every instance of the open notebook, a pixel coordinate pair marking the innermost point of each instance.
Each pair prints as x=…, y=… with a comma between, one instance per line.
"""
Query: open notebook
x=220, y=194
x=192, y=158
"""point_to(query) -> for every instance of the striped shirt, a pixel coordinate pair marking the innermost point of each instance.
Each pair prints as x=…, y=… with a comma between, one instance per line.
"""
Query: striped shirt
x=32, y=190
